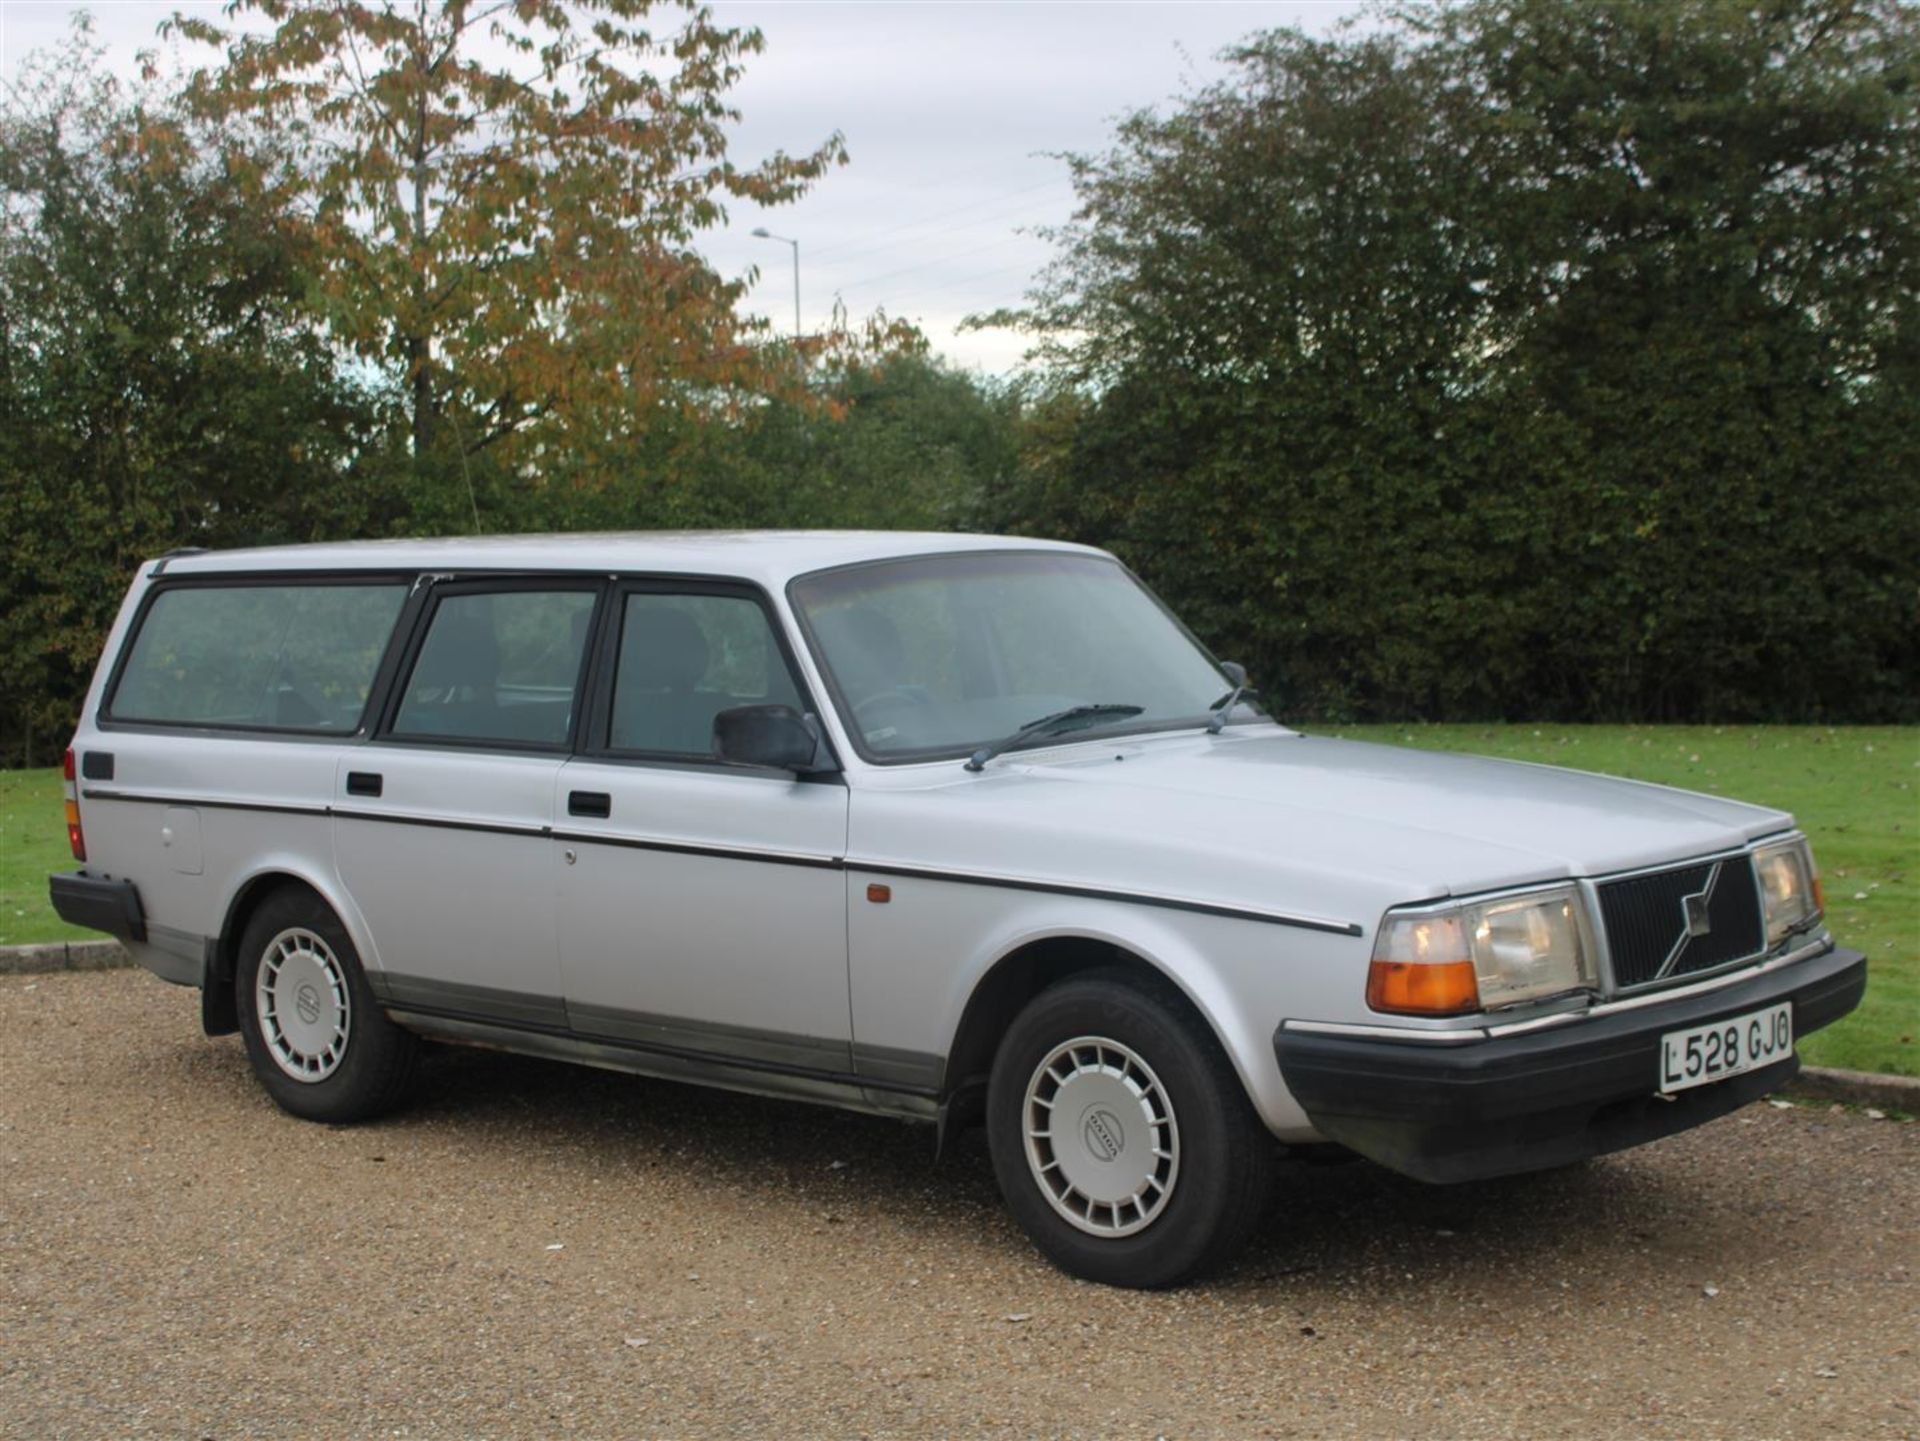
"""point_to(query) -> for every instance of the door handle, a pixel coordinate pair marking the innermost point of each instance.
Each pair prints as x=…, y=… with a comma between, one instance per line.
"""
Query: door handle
x=363, y=783
x=589, y=803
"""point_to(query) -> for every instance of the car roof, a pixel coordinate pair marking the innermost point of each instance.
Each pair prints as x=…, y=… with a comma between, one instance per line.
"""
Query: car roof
x=770, y=557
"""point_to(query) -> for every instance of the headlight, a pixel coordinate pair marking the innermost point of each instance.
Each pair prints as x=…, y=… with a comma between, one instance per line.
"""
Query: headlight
x=1481, y=955
x=1789, y=887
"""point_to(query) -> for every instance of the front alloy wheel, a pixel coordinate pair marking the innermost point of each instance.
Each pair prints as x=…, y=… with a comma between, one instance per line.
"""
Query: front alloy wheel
x=1102, y=1140
x=1122, y=1139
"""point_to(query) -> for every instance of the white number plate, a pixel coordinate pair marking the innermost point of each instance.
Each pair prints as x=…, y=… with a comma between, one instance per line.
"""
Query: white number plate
x=1726, y=1048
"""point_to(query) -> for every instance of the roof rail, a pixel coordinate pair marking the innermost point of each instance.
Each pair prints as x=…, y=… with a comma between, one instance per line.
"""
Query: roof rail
x=179, y=550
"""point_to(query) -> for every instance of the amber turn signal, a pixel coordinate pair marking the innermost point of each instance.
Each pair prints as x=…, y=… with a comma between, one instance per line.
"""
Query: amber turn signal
x=1415, y=988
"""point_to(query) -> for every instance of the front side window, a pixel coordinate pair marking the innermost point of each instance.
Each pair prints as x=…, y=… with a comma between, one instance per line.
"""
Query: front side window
x=683, y=659
x=936, y=655
x=499, y=666
x=258, y=657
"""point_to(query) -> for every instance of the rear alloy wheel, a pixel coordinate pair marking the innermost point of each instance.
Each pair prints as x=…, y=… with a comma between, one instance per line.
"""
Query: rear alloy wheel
x=303, y=1004
x=319, y=1043
x=1122, y=1140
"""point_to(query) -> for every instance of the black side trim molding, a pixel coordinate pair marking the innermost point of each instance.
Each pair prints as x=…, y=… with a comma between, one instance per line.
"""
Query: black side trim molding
x=94, y=793
x=688, y=848
x=99, y=903
x=1095, y=893
x=776, y=858
x=496, y=828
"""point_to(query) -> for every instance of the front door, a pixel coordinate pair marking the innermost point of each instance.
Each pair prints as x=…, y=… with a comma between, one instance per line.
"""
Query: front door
x=701, y=905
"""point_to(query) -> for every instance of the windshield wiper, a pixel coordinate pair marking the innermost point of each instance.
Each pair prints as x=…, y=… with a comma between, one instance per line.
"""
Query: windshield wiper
x=1072, y=718
x=1223, y=707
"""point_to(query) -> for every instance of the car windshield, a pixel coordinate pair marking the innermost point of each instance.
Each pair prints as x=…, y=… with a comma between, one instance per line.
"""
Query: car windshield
x=939, y=655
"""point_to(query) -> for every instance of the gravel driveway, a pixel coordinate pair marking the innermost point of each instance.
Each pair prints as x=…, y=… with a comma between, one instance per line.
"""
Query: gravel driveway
x=535, y=1250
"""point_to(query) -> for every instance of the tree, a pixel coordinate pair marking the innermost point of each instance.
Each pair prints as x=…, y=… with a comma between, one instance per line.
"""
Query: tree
x=503, y=197
x=1515, y=357
x=886, y=438
x=155, y=388
x=903, y=443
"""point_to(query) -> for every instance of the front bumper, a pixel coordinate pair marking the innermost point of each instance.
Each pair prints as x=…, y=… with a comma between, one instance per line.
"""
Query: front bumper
x=1526, y=1102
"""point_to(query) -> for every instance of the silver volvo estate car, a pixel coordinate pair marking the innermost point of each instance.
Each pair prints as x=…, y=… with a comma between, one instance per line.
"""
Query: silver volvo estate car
x=944, y=827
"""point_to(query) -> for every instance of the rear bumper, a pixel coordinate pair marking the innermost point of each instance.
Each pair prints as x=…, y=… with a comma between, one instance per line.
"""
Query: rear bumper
x=99, y=904
x=1527, y=1102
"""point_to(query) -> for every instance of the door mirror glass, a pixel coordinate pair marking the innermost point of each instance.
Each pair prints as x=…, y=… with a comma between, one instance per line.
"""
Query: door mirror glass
x=775, y=736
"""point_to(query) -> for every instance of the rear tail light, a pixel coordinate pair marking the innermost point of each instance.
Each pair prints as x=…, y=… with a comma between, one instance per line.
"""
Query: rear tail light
x=74, y=838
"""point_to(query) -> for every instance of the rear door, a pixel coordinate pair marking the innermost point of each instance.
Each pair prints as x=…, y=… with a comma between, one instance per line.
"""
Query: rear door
x=441, y=822
x=702, y=906
x=218, y=738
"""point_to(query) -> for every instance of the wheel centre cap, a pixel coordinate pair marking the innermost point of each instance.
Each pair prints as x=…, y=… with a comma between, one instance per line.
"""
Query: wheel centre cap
x=304, y=1005
x=1103, y=1137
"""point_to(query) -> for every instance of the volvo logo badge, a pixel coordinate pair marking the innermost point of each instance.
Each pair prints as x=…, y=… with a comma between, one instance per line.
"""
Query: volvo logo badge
x=1696, y=920
x=1103, y=1136
x=306, y=1001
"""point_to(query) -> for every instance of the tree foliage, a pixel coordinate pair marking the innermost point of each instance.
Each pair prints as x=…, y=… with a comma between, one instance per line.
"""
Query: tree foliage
x=204, y=329
x=886, y=439
x=1494, y=359
x=154, y=391
x=504, y=198
x=1516, y=358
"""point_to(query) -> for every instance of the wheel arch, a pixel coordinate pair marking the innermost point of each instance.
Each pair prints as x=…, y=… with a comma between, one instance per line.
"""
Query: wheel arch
x=219, y=1015
x=1022, y=972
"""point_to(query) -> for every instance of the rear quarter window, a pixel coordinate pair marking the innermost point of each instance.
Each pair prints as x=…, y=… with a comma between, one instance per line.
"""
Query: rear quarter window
x=258, y=657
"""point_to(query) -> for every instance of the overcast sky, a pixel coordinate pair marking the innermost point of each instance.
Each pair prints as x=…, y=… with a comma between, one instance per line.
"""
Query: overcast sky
x=951, y=113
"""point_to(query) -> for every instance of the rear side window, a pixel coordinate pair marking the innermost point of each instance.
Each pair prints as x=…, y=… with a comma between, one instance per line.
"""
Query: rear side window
x=259, y=657
x=502, y=666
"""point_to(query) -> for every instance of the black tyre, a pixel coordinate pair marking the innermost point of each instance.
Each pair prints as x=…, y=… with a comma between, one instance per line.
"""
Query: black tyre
x=319, y=1043
x=1121, y=1137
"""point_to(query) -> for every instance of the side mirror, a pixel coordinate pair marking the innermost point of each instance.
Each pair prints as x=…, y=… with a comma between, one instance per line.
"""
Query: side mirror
x=777, y=737
x=1269, y=692
x=1236, y=675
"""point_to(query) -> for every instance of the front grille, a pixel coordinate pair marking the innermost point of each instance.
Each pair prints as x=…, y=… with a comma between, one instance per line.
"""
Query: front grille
x=1646, y=921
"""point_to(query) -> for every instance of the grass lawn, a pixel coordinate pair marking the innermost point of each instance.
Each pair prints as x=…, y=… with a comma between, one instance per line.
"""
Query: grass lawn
x=1855, y=790
x=33, y=842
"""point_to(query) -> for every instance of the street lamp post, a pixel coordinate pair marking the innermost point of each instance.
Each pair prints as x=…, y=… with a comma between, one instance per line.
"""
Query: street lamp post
x=763, y=233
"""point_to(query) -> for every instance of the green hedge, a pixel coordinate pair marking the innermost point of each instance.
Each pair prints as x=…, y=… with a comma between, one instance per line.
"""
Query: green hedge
x=1520, y=358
